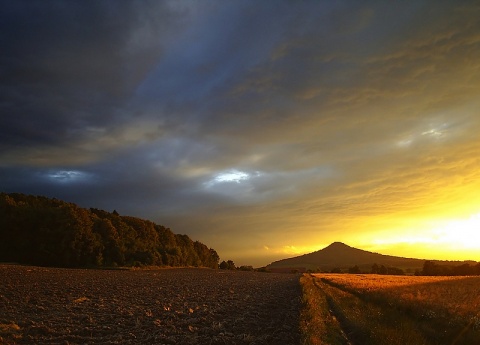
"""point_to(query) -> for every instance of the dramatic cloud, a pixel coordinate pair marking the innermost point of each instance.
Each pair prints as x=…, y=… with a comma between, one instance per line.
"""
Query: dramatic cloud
x=264, y=129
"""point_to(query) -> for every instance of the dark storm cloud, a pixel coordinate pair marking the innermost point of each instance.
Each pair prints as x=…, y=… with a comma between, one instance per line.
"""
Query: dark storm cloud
x=69, y=65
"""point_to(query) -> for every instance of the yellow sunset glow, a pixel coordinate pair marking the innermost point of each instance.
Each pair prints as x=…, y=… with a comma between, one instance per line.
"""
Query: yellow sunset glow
x=453, y=239
x=460, y=233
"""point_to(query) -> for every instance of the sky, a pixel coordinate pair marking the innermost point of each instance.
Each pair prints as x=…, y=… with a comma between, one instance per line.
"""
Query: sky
x=264, y=129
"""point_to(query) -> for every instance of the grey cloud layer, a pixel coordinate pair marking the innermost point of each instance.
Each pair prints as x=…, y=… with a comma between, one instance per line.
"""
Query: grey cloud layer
x=70, y=66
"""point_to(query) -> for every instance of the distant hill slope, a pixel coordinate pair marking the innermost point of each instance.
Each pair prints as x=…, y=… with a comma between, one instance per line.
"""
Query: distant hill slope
x=343, y=256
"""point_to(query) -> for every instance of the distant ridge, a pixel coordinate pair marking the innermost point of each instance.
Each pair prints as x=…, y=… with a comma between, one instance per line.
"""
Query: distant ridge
x=340, y=255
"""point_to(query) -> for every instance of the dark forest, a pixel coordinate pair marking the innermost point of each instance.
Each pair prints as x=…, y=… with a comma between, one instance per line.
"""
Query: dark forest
x=37, y=230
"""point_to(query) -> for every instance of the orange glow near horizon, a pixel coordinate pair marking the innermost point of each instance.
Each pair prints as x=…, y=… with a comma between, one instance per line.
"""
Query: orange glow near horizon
x=441, y=238
x=452, y=235
x=445, y=239
x=445, y=226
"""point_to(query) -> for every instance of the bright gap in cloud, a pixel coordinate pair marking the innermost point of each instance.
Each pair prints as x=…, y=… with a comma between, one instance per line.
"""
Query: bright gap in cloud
x=230, y=176
x=432, y=132
x=67, y=176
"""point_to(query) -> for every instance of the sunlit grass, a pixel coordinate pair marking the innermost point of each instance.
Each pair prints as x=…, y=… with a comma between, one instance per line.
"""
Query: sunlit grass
x=459, y=296
x=368, y=323
x=405, y=310
x=317, y=324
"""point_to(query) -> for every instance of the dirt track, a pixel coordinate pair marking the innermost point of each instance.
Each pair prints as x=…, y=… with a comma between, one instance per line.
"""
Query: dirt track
x=171, y=306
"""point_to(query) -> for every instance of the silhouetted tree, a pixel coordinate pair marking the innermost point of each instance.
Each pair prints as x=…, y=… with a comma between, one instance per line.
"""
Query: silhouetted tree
x=227, y=265
x=395, y=271
x=246, y=268
x=430, y=269
x=354, y=270
x=464, y=270
x=231, y=265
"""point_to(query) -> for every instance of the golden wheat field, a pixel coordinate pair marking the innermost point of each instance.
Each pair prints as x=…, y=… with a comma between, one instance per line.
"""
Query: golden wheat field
x=377, y=309
x=453, y=295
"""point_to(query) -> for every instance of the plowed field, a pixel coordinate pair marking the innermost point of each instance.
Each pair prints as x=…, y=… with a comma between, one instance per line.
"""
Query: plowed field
x=168, y=306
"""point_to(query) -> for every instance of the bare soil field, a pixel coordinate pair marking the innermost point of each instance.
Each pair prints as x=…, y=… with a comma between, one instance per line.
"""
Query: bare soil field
x=168, y=306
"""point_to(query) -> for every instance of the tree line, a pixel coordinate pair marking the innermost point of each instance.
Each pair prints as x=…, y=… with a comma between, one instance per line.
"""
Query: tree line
x=431, y=268
x=42, y=231
x=230, y=265
x=375, y=269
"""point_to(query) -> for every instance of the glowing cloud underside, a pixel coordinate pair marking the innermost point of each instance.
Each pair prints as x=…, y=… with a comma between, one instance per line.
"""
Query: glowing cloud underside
x=231, y=176
x=67, y=176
